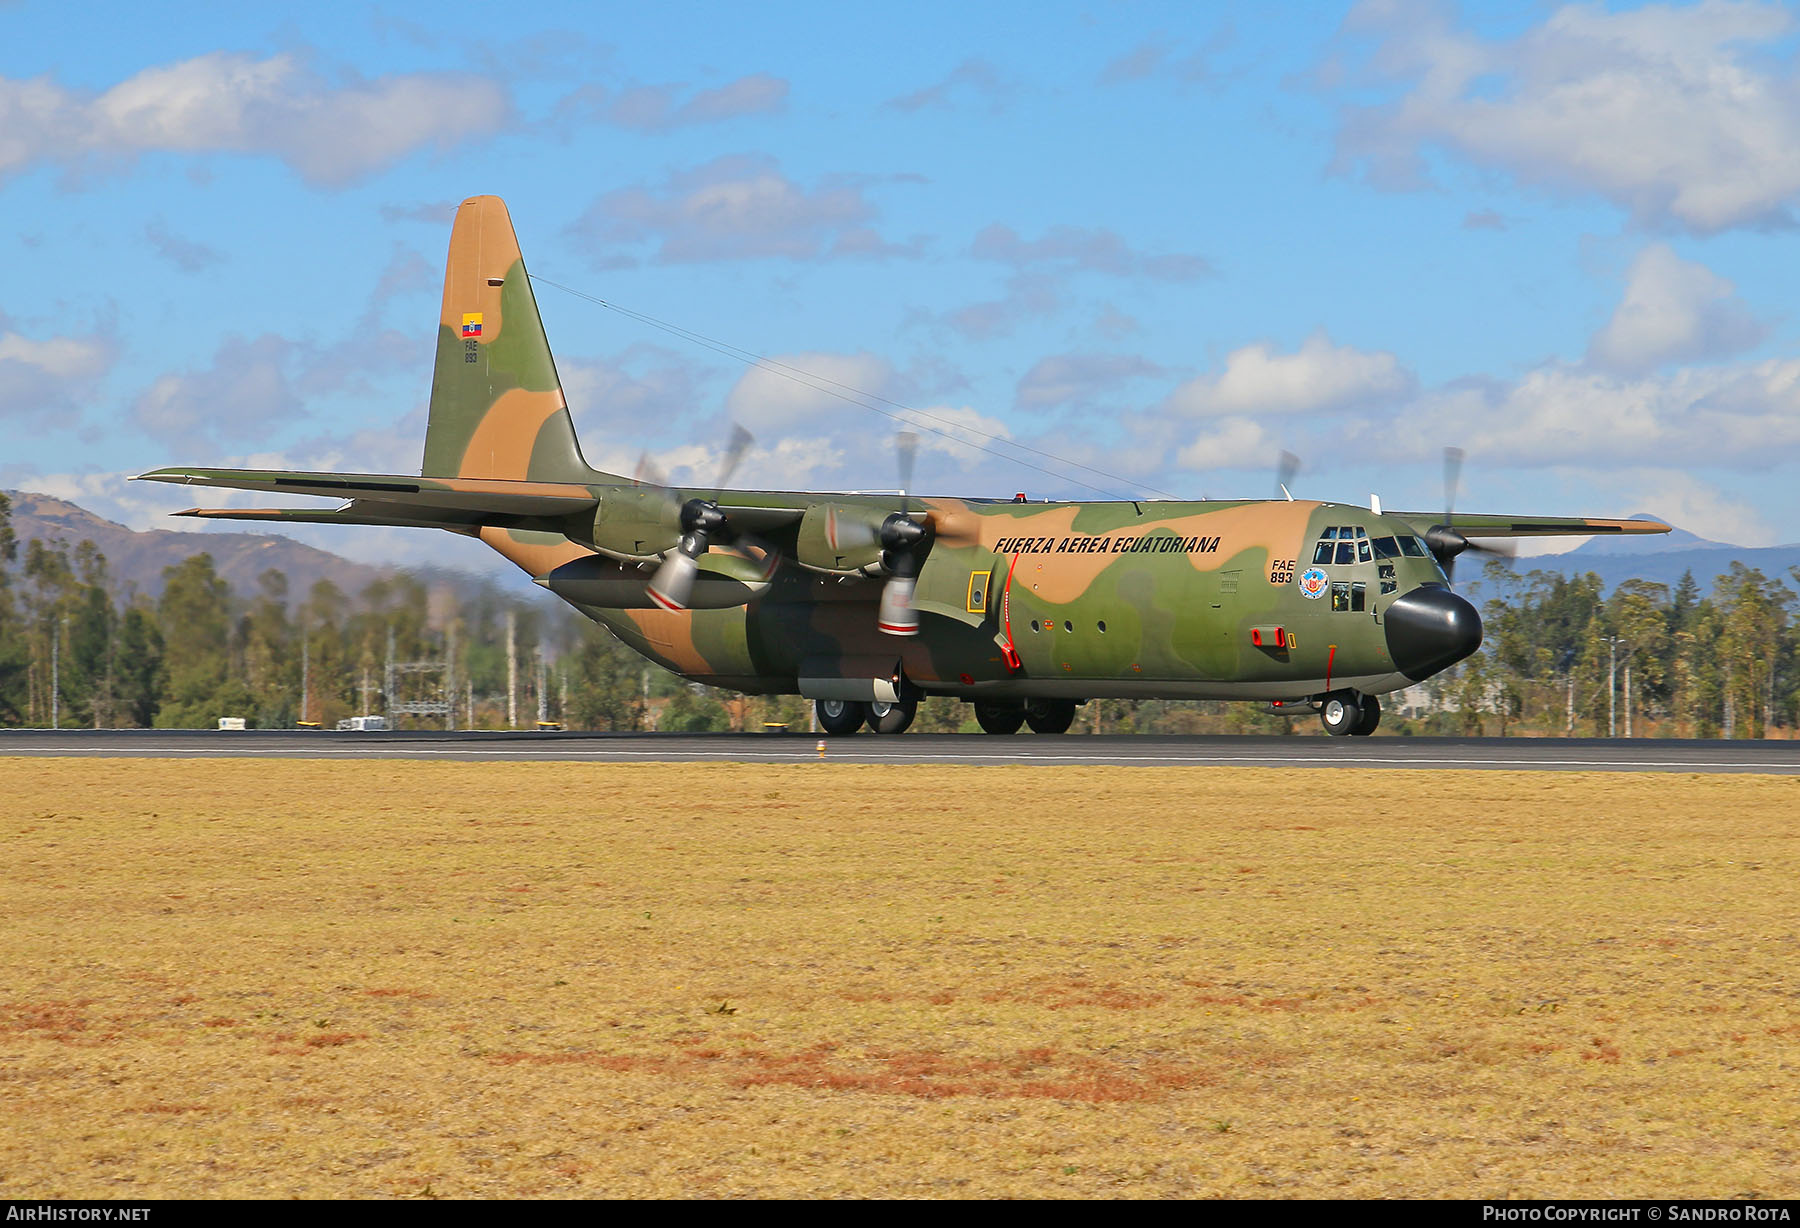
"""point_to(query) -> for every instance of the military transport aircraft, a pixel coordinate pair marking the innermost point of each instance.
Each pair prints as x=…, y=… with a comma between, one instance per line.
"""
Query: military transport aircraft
x=866, y=603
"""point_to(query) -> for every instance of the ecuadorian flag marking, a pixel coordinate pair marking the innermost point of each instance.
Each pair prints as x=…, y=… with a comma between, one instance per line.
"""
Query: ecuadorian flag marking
x=472, y=324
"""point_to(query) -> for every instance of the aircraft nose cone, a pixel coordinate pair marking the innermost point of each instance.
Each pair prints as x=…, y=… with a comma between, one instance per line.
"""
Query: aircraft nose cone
x=1430, y=629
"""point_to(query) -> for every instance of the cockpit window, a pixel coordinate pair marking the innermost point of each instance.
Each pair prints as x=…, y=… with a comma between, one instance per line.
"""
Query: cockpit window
x=1386, y=548
x=1413, y=548
x=1347, y=544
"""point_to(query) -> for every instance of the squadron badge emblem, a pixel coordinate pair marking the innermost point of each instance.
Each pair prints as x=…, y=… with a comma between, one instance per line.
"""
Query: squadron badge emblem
x=1312, y=582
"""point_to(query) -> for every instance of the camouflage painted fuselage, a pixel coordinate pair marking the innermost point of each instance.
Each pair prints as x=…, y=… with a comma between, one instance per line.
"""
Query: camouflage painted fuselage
x=1096, y=599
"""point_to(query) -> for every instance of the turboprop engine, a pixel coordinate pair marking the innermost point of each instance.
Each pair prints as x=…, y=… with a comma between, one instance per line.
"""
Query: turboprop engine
x=636, y=523
x=840, y=540
x=721, y=580
x=856, y=541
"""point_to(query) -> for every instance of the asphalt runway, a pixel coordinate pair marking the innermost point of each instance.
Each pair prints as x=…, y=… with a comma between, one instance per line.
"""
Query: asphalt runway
x=1512, y=754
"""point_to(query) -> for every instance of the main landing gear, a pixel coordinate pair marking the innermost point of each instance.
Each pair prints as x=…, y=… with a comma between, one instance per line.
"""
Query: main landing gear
x=1043, y=715
x=1346, y=713
x=840, y=717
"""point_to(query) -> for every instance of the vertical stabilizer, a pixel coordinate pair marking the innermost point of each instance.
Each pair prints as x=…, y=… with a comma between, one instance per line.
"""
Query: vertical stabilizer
x=497, y=408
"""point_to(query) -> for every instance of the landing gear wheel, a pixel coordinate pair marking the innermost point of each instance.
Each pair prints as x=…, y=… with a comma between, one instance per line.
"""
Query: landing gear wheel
x=1341, y=713
x=1000, y=718
x=1050, y=715
x=1370, y=718
x=892, y=718
x=840, y=717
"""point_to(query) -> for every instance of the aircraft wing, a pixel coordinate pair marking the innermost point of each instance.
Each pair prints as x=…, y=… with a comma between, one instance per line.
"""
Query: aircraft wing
x=466, y=496
x=1476, y=525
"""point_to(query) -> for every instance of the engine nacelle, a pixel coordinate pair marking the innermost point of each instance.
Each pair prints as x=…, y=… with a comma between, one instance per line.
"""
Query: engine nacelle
x=841, y=540
x=725, y=579
x=636, y=523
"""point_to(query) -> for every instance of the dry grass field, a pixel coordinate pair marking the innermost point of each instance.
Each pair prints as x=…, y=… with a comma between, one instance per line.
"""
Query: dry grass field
x=231, y=978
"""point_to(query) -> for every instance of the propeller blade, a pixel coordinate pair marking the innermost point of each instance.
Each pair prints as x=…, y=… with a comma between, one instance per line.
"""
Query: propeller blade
x=897, y=616
x=1285, y=468
x=735, y=448
x=1453, y=463
x=647, y=472
x=673, y=584
x=906, y=453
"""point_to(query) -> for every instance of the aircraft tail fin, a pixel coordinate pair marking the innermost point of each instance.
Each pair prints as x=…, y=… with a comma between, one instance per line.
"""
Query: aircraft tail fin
x=497, y=407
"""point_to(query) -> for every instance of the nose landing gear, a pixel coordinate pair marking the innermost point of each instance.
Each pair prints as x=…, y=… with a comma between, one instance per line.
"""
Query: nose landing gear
x=1346, y=713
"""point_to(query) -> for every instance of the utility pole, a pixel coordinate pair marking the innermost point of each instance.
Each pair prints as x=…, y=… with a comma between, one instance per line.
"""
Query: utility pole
x=305, y=672
x=1628, y=696
x=1612, y=686
x=512, y=669
x=55, y=677
x=450, y=675
x=543, y=688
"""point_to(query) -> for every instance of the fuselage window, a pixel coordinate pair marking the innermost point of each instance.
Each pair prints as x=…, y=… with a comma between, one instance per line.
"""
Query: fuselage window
x=1340, y=596
x=1358, y=596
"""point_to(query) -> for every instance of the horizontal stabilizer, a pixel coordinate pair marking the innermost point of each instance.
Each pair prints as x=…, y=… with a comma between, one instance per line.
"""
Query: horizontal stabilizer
x=389, y=515
x=472, y=498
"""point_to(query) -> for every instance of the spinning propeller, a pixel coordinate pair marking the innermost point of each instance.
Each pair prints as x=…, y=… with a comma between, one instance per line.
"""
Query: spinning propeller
x=701, y=520
x=901, y=536
x=1443, y=540
x=1285, y=470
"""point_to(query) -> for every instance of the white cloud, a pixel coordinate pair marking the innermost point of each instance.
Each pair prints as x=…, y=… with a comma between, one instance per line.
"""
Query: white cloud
x=1319, y=377
x=659, y=108
x=1089, y=249
x=972, y=77
x=1670, y=112
x=330, y=132
x=51, y=377
x=739, y=207
x=1685, y=501
x=185, y=254
x=1229, y=443
x=246, y=393
x=1743, y=415
x=1080, y=379
x=1673, y=310
x=765, y=400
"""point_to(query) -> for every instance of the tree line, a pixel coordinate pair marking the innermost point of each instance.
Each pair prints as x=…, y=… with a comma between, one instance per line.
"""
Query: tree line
x=1561, y=657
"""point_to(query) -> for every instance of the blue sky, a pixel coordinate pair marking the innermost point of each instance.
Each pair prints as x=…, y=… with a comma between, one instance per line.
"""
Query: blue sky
x=1163, y=241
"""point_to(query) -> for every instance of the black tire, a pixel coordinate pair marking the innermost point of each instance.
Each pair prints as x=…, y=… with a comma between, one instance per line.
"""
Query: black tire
x=840, y=717
x=1340, y=712
x=1000, y=718
x=1050, y=715
x=892, y=718
x=1370, y=718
